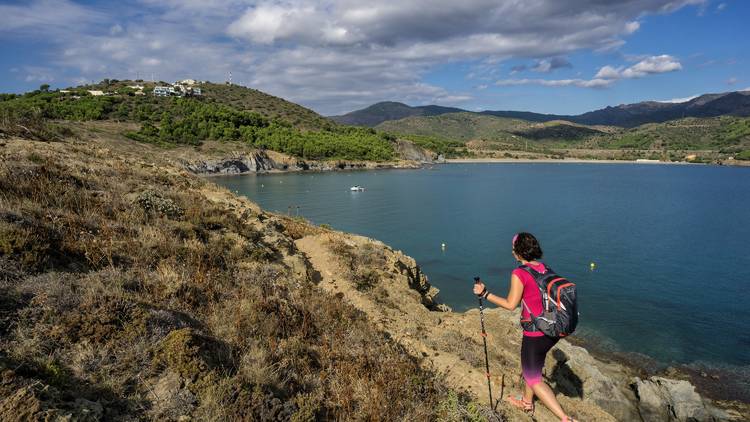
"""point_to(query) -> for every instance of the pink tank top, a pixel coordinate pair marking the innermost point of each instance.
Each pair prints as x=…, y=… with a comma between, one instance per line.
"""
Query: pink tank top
x=531, y=295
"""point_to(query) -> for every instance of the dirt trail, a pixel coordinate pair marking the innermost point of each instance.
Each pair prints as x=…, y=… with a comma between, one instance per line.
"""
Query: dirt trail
x=446, y=341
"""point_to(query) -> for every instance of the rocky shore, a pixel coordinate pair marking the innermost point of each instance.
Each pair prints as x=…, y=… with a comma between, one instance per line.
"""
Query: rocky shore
x=411, y=156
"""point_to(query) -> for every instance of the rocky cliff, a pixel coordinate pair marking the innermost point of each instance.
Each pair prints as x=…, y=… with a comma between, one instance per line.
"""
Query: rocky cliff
x=241, y=162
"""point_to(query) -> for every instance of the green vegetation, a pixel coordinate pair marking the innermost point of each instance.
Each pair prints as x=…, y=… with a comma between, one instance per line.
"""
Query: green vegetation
x=192, y=120
x=125, y=293
x=449, y=149
x=744, y=155
x=712, y=138
x=188, y=121
x=724, y=133
x=459, y=127
x=248, y=99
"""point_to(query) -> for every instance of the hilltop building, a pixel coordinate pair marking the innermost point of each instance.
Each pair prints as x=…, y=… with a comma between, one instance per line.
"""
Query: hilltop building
x=178, y=90
x=164, y=91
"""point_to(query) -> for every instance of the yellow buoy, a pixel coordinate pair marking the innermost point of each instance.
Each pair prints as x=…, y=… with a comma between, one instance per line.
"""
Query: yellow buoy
x=442, y=246
x=593, y=266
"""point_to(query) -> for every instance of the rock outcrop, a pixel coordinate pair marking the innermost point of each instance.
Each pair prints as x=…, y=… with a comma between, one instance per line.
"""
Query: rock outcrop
x=408, y=151
x=254, y=162
x=268, y=161
x=664, y=399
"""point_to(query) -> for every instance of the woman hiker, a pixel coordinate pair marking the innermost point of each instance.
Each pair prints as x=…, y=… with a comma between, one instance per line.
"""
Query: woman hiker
x=535, y=344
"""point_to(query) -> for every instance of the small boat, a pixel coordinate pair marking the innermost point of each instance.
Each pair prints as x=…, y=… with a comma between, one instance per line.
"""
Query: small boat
x=357, y=188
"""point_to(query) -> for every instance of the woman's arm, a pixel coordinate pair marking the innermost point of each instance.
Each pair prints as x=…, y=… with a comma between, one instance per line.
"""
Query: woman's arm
x=514, y=295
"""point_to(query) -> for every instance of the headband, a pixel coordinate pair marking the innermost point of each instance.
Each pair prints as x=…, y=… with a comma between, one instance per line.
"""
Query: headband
x=515, y=237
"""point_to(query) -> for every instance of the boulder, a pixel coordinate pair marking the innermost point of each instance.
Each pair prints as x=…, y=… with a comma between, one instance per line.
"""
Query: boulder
x=664, y=399
x=255, y=162
x=575, y=373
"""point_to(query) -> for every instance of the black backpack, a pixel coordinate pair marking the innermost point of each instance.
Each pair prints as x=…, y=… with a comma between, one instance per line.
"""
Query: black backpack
x=560, y=315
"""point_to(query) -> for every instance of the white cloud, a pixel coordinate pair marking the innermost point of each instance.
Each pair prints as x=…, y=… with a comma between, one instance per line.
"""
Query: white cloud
x=39, y=17
x=631, y=27
x=581, y=83
x=652, y=65
x=732, y=81
x=607, y=75
x=608, y=72
x=38, y=74
x=331, y=55
x=646, y=66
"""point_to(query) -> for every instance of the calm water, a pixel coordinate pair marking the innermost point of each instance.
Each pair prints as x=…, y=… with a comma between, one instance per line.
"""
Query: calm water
x=670, y=242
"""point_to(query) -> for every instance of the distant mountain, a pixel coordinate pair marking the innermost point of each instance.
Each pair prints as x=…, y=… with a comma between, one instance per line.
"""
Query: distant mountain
x=631, y=115
x=390, y=110
x=626, y=115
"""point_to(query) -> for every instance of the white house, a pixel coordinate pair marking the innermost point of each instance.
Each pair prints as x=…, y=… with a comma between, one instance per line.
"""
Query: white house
x=163, y=91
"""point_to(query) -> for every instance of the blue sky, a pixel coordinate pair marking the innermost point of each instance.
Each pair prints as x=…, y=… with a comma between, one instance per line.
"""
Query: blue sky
x=334, y=56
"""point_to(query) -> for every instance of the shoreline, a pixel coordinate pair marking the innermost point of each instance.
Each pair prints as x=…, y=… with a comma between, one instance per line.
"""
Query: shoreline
x=564, y=161
x=715, y=381
x=416, y=166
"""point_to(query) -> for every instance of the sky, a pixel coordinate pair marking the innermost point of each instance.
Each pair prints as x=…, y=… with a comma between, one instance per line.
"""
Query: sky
x=335, y=56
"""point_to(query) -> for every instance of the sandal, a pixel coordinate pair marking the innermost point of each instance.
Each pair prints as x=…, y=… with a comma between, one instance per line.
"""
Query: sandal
x=568, y=419
x=522, y=404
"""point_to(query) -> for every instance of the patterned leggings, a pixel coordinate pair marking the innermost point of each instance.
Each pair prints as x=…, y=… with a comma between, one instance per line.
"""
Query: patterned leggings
x=533, y=352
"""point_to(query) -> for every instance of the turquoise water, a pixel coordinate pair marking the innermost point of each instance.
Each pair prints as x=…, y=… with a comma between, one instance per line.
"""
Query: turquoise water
x=670, y=242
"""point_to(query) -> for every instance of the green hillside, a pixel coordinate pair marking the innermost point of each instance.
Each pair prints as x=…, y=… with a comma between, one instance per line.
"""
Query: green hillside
x=214, y=116
x=726, y=134
x=248, y=99
x=236, y=96
x=457, y=126
x=464, y=127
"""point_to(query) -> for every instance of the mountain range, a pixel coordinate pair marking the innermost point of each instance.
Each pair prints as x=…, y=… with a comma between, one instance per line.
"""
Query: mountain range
x=736, y=103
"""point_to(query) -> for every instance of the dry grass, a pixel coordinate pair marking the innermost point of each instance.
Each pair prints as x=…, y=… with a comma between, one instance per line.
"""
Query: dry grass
x=126, y=294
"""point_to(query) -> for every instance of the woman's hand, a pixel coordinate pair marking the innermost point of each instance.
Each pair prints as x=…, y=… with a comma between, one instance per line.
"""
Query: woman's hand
x=479, y=288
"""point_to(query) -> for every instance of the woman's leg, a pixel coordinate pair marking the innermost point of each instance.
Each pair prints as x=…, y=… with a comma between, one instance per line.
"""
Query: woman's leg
x=533, y=352
x=547, y=396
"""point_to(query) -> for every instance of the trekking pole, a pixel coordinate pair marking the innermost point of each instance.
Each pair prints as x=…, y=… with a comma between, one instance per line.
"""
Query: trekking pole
x=484, y=338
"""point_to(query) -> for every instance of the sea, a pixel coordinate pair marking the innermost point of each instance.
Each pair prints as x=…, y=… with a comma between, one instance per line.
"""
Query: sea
x=669, y=244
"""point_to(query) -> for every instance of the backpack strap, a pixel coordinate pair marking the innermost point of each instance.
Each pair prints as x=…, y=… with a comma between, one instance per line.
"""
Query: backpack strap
x=531, y=315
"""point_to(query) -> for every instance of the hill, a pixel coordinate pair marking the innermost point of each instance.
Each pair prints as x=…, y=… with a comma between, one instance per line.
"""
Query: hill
x=631, y=115
x=626, y=115
x=711, y=138
x=388, y=110
x=466, y=127
x=248, y=99
x=236, y=96
x=222, y=113
x=132, y=290
x=725, y=134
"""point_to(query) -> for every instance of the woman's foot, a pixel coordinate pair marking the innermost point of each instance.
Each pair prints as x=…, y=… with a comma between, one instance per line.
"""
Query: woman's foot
x=521, y=403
